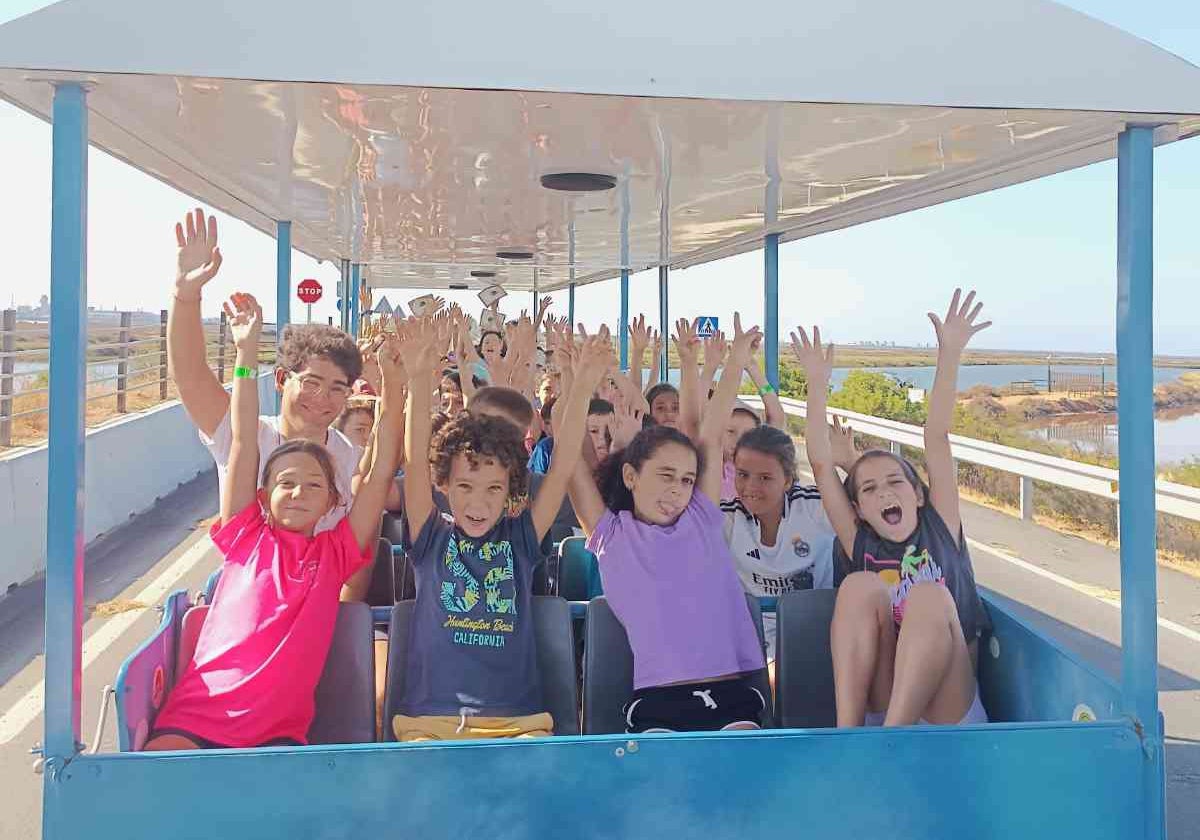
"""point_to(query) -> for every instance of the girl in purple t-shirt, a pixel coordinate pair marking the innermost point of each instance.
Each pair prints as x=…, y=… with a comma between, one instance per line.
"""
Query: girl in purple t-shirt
x=658, y=535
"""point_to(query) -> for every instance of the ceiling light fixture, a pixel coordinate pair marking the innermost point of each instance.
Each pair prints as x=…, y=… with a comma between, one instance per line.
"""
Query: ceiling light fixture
x=514, y=254
x=579, y=181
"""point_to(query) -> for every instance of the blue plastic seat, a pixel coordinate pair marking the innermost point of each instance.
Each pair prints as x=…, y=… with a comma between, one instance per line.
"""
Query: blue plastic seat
x=608, y=669
x=555, y=653
x=803, y=663
x=382, y=590
x=578, y=576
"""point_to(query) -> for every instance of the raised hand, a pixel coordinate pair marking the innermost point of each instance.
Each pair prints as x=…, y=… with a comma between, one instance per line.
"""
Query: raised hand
x=595, y=359
x=245, y=321
x=639, y=336
x=714, y=352
x=817, y=362
x=624, y=426
x=741, y=350
x=199, y=258
x=841, y=438
x=687, y=343
x=959, y=326
x=391, y=364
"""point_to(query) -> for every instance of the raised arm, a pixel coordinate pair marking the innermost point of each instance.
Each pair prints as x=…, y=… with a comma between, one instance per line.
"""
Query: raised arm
x=773, y=408
x=714, y=355
x=241, y=476
x=639, y=340
x=953, y=334
x=656, y=344
x=716, y=416
x=418, y=485
x=199, y=261
x=595, y=359
x=377, y=480
x=818, y=366
x=687, y=345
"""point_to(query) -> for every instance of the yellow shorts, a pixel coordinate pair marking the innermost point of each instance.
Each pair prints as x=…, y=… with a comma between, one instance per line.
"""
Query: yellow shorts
x=471, y=727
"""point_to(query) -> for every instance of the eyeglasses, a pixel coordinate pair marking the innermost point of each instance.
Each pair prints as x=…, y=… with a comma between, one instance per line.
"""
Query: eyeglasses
x=310, y=386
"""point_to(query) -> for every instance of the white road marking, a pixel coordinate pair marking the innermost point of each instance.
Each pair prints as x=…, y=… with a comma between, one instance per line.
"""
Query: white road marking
x=1084, y=589
x=27, y=709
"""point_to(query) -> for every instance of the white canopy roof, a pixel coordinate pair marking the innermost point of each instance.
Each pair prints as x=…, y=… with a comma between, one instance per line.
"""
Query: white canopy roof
x=411, y=136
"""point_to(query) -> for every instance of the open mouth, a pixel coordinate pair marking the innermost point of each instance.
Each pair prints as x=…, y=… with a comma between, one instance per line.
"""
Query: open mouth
x=476, y=521
x=892, y=514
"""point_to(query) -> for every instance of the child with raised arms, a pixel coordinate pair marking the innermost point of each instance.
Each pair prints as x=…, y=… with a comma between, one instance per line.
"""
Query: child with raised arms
x=264, y=642
x=472, y=664
x=658, y=536
x=908, y=617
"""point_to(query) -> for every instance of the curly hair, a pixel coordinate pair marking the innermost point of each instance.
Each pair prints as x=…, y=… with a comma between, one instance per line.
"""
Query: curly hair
x=303, y=341
x=618, y=497
x=480, y=438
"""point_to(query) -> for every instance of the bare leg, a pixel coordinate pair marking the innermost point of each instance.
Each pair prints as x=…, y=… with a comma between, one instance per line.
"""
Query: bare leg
x=381, y=656
x=934, y=679
x=863, y=643
x=170, y=741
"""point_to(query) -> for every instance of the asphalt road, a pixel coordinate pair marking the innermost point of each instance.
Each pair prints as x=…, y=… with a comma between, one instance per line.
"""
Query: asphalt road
x=1063, y=584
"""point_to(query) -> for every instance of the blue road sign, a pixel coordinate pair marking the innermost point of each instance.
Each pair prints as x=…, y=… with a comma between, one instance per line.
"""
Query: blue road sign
x=707, y=326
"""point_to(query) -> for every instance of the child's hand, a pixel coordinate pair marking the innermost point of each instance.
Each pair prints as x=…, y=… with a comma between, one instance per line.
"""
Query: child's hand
x=245, y=322
x=656, y=345
x=744, y=343
x=639, y=336
x=841, y=437
x=687, y=344
x=714, y=352
x=391, y=365
x=817, y=363
x=594, y=359
x=623, y=427
x=199, y=257
x=959, y=326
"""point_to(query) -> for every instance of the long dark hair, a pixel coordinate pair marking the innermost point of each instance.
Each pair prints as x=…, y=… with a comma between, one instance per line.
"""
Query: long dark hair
x=618, y=497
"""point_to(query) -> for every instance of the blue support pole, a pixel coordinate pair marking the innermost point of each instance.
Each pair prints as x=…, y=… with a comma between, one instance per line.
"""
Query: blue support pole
x=343, y=289
x=355, y=285
x=771, y=308
x=1135, y=419
x=664, y=314
x=68, y=384
x=283, y=277
x=571, y=305
x=624, y=326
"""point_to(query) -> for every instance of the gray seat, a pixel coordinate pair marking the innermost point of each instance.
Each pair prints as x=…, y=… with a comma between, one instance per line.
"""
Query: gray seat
x=555, y=653
x=345, y=695
x=608, y=669
x=803, y=664
x=382, y=590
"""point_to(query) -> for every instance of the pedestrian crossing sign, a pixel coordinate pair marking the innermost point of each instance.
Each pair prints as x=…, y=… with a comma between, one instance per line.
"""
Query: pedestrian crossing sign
x=707, y=326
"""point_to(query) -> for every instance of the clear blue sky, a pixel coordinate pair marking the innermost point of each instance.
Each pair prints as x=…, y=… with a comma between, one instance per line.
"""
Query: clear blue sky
x=1042, y=254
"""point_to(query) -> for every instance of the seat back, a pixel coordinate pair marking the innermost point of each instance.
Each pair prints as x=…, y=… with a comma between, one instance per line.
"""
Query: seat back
x=345, y=695
x=578, y=575
x=803, y=664
x=608, y=669
x=382, y=591
x=210, y=587
x=147, y=675
x=555, y=652
x=189, y=634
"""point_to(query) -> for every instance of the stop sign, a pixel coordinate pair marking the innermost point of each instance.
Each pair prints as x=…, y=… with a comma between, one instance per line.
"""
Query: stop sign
x=309, y=291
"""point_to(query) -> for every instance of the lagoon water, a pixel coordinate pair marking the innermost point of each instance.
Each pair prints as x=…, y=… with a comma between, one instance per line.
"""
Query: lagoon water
x=998, y=375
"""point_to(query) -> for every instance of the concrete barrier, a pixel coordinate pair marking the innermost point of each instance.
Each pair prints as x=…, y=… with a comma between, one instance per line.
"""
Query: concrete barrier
x=130, y=463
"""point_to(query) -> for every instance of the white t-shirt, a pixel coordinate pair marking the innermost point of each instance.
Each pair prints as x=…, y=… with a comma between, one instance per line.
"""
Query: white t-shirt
x=345, y=456
x=801, y=558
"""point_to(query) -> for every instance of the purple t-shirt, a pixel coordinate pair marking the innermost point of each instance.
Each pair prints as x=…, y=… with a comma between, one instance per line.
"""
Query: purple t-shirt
x=675, y=591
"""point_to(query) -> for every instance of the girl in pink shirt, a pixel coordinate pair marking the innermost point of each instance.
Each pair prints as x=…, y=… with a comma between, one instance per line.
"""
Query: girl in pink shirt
x=669, y=577
x=264, y=642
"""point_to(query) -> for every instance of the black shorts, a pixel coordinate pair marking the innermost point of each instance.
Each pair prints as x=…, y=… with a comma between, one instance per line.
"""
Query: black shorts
x=205, y=744
x=694, y=707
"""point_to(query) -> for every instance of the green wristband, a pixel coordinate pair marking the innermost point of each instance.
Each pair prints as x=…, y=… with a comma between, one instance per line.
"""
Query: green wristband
x=245, y=372
x=768, y=388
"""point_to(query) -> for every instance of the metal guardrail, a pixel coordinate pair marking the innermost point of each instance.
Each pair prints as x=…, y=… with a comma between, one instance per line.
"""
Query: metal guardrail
x=1176, y=499
x=138, y=355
